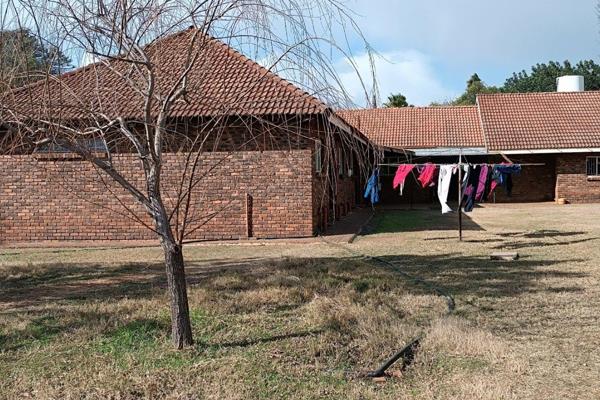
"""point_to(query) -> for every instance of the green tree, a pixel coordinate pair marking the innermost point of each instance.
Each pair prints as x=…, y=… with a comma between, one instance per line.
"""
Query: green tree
x=475, y=86
x=542, y=77
x=396, y=100
x=23, y=57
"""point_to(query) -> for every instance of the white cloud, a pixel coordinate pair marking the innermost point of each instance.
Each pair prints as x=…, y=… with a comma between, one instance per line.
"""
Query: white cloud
x=492, y=38
x=409, y=72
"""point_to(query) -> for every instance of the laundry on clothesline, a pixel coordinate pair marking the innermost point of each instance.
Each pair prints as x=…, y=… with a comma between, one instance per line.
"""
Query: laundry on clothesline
x=478, y=184
x=372, y=189
x=427, y=175
x=444, y=179
x=483, y=180
x=502, y=175
x=401, y=174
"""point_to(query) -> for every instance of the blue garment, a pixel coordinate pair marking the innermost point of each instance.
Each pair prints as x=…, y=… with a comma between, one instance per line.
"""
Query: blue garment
x=503, y=175
x=372, y=190
x=471, y=188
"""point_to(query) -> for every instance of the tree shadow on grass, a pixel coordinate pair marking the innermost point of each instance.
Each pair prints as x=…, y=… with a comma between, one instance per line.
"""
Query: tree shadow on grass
x=460, y=274
x=260, y=340
x=94, y=281
x=57, y=286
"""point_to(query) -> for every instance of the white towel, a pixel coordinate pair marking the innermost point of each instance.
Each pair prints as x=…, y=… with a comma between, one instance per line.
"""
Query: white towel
x=444, y=179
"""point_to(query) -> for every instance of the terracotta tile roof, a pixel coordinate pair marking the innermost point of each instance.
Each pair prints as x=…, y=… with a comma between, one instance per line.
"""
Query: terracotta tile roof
x=221, y=81
x=530, y=121
x=418, y=127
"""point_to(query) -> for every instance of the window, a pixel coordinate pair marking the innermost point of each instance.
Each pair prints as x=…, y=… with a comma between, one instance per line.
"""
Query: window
x=318, y=156
x=54, y=151
x=593, y=166
x=351, y=164
x=96, y=145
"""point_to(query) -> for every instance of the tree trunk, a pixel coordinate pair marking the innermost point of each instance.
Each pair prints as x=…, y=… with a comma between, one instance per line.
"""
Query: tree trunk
x=181, y=328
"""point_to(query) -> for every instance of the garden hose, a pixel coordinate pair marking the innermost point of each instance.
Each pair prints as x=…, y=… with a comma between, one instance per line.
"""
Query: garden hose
x=407, y=352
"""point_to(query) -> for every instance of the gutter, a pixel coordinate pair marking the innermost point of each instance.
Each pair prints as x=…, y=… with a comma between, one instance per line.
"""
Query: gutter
x=552, y=151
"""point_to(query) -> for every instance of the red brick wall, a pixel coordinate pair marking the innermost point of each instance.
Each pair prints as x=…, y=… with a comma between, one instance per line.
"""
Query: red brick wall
x=324, y=211
x=65, y=200
x=534, y=183
x=572, y=182
x=345, y=200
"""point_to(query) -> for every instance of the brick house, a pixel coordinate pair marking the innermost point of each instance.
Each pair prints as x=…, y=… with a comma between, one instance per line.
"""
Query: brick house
x=284, y=165
x=558, y=129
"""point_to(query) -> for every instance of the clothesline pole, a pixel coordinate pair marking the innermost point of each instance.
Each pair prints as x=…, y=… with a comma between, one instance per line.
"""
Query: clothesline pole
x=460, y=166
x=460, y=195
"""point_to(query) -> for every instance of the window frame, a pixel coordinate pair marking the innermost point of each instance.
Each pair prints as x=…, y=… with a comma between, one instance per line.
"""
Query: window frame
x=350, y=164
x=341, y=162
x=318, y=156
x=595, y=162
x=53, y=152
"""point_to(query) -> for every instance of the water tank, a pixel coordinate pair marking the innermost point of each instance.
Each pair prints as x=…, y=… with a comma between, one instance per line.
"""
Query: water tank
x=570, y=83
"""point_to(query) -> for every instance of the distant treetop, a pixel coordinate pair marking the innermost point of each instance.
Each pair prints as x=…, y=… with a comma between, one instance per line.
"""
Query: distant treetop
x=396, y=100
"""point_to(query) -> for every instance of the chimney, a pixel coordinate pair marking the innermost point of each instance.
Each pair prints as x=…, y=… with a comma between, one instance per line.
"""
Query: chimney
x=570, y=83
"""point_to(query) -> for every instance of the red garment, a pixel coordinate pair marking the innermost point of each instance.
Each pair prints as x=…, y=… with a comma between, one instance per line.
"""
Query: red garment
x=427, y=177
x=401, y=174
x=492, y=188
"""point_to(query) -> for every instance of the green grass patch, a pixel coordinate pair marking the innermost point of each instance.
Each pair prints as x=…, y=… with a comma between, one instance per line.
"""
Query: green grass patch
x=38, y=332
x=141, y=343
x=402, y=221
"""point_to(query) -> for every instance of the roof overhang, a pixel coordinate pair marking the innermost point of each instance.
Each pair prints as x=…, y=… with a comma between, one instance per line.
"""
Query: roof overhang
x=551, y=151
x=343, y=125
x=449, y=151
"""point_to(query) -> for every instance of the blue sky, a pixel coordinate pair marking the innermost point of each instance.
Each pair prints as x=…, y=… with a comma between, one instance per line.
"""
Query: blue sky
x=431, y=47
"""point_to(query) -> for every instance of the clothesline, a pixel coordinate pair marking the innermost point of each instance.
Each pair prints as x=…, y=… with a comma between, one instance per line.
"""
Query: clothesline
x=476, y=184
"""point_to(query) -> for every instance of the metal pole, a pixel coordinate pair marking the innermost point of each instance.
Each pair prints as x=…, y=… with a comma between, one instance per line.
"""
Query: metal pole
x=460, y=195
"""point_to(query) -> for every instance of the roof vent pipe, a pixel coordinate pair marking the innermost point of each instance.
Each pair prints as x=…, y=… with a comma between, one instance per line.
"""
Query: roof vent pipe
x=570, y=83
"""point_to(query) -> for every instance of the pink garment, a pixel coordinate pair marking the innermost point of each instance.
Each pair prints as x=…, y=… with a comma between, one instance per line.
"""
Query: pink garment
x=401, y=174
x=492, y=187
x=427, y=177
x=482, y=181
x=495, y=183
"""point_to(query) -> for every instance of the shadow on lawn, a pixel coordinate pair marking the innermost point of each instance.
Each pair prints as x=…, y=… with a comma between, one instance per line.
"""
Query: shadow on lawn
x=60, y=285
x=521, y=240
x=394, y=221
x=459, y=274
x=261, y=340
x=482, y=277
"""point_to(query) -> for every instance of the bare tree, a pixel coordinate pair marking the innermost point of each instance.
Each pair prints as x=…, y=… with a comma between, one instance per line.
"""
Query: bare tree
x=133, y=97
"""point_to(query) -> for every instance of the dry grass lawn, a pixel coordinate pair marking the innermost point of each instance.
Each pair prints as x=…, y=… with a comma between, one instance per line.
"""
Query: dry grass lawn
x=296, y=321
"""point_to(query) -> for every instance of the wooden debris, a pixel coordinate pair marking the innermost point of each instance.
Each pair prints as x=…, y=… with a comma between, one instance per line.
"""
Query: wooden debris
x=379, y=379
x=396, y=373
x=509, y=256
